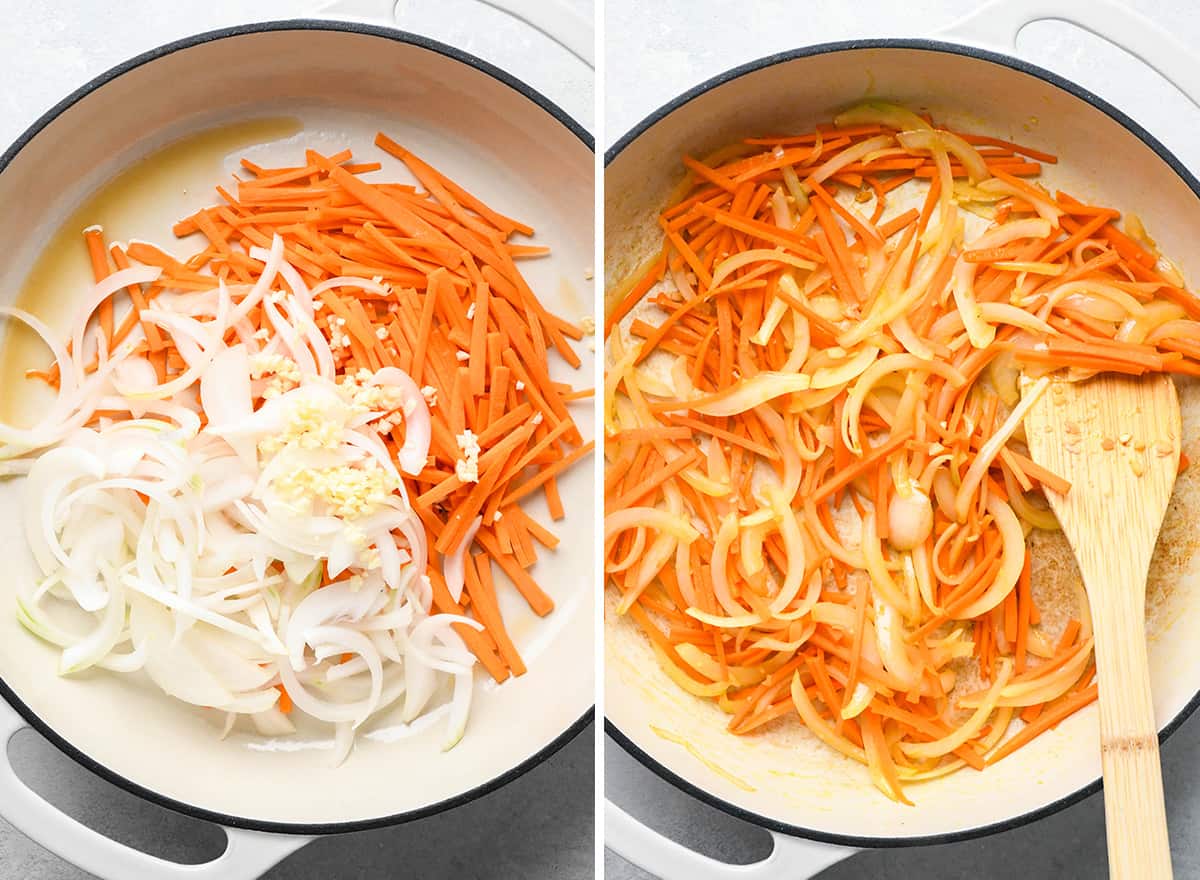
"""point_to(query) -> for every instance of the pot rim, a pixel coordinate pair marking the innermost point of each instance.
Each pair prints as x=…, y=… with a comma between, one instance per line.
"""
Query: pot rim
x=7, y=693
x=1001, y=60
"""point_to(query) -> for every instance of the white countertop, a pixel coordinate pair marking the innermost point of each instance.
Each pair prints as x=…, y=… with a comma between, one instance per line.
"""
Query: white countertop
x=658, y=50
x=49, y=48
x=538, y=827
x=655, y=51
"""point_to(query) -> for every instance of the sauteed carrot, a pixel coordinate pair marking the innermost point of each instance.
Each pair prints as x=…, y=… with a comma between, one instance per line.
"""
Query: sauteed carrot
x=840, y=531
x=402, y=311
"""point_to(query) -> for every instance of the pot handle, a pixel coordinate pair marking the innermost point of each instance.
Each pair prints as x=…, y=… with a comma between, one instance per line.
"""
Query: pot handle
x=247, y=853
x=995, y=25
x=792, y=858
x=556, y=19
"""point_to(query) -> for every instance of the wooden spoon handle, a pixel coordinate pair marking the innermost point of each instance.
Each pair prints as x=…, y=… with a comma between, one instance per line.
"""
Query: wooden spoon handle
x=1133, y=796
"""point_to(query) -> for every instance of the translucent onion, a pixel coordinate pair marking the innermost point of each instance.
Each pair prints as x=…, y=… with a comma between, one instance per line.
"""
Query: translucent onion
x=1033, y=268
x=1032, y=689
x=750, y=393
x=1104, y=301
x=1156, y=319
x=648, y=517
x=835, y=614
x=880, y=113
x=893, y=649
x=997, y=441
x=757, y=255
x=726, y=535
x=1037, y=517
x=652, y=563
x=734, y=622
x=1005, y=313
x=981, y=333
x=876, y=372
x=849, y=156
x=876, y=566
x=770, y=321
x=925, y=138
x=818, y=725
x=709, y=668
x=1012, y=559
x=840, y=374
x=795, y=188
x=910, y=519
x=859, y=700
x=970, y=728
x=1043, y=204
x=685, y=681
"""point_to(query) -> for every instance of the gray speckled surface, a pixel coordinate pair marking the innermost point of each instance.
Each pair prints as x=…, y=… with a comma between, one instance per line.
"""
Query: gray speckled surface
x=654, y=52
x=540, y=826
x=1066, y=846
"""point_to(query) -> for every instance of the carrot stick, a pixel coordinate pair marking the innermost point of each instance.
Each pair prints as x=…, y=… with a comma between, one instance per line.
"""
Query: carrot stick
x=94, y=237
x=479, y=642
x=1055, y=713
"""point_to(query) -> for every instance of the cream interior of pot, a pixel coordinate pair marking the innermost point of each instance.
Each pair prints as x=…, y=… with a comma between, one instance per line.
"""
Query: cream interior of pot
x=268, y=96
x=784, y=773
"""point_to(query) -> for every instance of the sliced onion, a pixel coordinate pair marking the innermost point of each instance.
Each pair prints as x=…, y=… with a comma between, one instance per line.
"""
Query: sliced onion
x=846, y=371
x=848, y=156
x=1012, y=559
x=648, y=517
x=747, y=258
x=1045, y=207
x=926, y=138
x=750, y=393
x=453, y=562
x=997, y=441
x=819, y=726
x=969, y=729
x=880, y=113
x=161, y=517
x=417, y=424
x=100, y=292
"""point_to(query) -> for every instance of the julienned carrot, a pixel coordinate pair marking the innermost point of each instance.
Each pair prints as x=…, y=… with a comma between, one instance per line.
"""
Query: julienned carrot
x=895, y=472
x=1051, y=715
x=285, y=699
x=482, y=489
x=480, y=642
x=1049, y=479
x=455, y=313
x=852, y=472
x=1024, y=604
x=483, y=602
x=94, y=237
x=537, y=598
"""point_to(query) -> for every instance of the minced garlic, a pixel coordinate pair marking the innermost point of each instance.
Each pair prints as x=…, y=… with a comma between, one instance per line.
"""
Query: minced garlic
x=351, y=492
x=467, y=467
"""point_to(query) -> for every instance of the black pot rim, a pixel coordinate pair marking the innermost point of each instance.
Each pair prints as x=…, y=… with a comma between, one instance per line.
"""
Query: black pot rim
x=1007, y=61
x=34, y=720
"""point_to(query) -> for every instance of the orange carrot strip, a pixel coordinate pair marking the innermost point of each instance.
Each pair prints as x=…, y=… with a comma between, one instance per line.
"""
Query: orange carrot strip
x=482, y=590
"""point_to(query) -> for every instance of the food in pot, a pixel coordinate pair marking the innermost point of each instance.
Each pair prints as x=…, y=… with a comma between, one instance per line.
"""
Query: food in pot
x=280, y=474
x=818, y=495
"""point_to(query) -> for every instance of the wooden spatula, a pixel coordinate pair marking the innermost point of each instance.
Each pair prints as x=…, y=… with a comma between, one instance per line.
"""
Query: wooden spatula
x=1116, y=439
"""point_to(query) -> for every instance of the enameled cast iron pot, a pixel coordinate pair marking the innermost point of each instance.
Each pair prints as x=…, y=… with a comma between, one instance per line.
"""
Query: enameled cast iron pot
x=791, y=784
x=341, y=82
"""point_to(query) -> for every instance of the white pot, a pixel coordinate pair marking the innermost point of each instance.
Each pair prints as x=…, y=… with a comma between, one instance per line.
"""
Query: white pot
x=790, y=783
x=343, y=82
